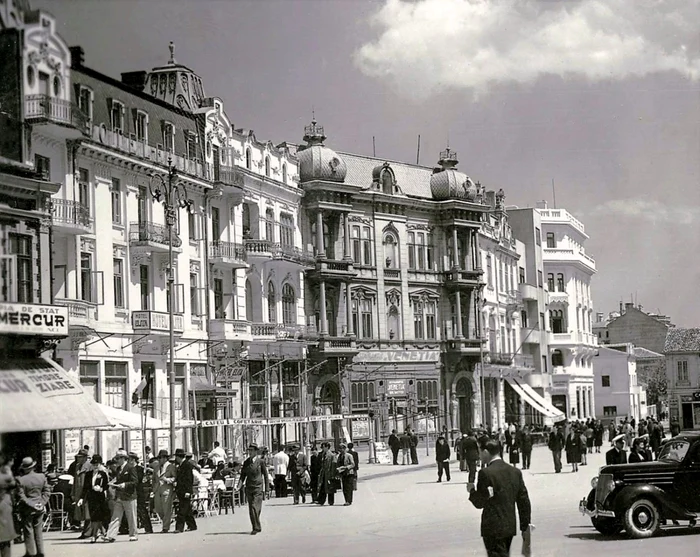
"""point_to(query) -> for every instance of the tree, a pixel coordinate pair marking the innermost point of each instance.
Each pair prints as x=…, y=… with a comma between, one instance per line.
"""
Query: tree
x=652, y=374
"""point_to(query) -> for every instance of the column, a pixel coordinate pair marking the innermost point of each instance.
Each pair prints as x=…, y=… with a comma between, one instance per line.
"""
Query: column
x=320, y=248
x=346, y=236
x=501, y=403
x=458, y=303
x=455, y=247
x=348, y=310
x=468, y=256
x=323, y=318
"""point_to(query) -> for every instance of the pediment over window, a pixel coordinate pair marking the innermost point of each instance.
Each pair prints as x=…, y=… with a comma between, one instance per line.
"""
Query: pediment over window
x=363, y=293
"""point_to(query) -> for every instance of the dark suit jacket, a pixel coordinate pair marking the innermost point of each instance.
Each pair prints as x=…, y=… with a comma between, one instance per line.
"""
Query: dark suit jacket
x=394, y=442
x=469, y=448
x=356, y=458
x=254, y=474
x=509, y=491
x=184, y=480
x=613, y=456
x=128, y=476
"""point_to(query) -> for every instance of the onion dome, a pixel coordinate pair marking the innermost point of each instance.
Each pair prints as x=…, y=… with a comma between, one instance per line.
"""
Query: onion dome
x=316, y=161
x=447, y=182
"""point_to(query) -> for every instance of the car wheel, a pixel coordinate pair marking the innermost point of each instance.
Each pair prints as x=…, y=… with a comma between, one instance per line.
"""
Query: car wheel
x=606, y=526
x=642, y=519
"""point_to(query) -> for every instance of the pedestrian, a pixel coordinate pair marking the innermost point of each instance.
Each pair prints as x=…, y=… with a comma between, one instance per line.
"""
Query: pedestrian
x=33, y=494
x=280, y=463
x=184, y=490
x=442, y=458
x=500, y=489
x=254, y=478
x=584, y=446
x=298, y=467
x=217, y=454
x=164, y=473
x=556, y=444
x=405, y=448
x=394, y=445
x=8, y=484
x=470, y=453
x=502, y=440
x=655, y=437
x=143, y=495
x=617, y=455
x=675, y=427
x=525, y=442
x=148, y=454
x=356, y=458
x=314, y=471
x=598, y=431
x=637, y=453
x=124, y=483
x=81, y=468
x=94, y=498
x=345, y=468
x=514, y=449
x=327, y=483
x=573, y=449
x=413, y=446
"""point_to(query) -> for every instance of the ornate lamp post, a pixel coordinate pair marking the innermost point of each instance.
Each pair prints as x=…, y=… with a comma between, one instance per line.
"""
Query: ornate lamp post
x=173, y=195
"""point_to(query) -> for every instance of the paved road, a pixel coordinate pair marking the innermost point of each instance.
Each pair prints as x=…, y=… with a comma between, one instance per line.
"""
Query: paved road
x=399, y=510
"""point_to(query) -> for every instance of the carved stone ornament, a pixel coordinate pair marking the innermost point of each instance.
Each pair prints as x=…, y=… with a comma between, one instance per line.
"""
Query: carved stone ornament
x=118, y=251
x=414, y=226
x=45, y=224
x=356, y=218
x=194, y=266
x=139, y=258
x=87, y=244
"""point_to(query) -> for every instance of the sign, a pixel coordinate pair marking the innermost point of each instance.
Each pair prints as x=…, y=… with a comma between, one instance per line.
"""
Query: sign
x=289, y=420
x=156, y=321
x=360, y=428
x=381, y=452
x=696, y=396
x=33, y=319
x=396, y=356
x=232, y=421
x=396, y=387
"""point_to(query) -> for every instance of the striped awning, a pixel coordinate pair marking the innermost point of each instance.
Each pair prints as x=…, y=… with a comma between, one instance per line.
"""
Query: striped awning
x=534, y=399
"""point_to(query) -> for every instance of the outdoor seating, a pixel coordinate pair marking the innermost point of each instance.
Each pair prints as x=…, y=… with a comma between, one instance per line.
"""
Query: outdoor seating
x=56, y=515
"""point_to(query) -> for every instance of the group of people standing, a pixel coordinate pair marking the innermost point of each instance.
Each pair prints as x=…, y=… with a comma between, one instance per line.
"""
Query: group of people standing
x=407, y=443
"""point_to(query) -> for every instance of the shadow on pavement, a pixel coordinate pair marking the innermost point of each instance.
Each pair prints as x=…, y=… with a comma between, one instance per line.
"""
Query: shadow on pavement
x=665, y=533
x=246, y=533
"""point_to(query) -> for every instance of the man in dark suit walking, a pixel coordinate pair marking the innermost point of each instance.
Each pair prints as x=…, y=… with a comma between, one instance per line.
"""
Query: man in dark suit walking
x=394, y=445
x=254, y=478
x=469, y=450
x=499, y=490
x=184, y=489
x=556, y=444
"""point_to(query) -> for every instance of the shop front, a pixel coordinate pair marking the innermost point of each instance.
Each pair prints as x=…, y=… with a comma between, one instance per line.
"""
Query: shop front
x=689, y=410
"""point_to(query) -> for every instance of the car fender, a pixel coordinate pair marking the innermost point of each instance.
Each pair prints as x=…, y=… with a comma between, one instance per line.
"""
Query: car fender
x=668, y=507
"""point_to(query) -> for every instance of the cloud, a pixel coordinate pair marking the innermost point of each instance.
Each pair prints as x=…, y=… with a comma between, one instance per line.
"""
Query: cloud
x=650, y=210
x=428, y=45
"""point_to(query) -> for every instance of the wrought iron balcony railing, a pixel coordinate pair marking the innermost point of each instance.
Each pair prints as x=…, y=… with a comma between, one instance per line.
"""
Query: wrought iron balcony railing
x=51, y=109
x=146, y=231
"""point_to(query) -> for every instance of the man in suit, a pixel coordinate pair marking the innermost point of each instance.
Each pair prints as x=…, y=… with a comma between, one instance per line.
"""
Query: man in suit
x=413, y=446
x=326, y=476
x=394, y=445
x=315, y=470
x=442, y=457
x=33, y=493
x=617, y=455
x=526, y=446
x=356, y=458
x=556, y=444
x=405, y=448
x=469, y=452
x=125, y=484
x=499, y=490
x=184, y=489
x=345, y=468
x=254, y=478
x=143, y=495
x=297, y=466
x=164, y=473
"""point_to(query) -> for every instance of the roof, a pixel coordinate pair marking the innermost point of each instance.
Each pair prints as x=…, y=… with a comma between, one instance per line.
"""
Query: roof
x=411, y=179
x=642, y=353
x=683, y=340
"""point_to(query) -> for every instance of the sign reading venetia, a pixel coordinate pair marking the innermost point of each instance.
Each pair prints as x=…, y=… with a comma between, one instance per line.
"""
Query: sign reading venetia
x=396, y=356
x=33, y=319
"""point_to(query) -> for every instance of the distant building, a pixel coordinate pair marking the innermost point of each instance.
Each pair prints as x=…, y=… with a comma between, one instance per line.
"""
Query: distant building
x=617, y=392
x=635, y=326
x=682, y=351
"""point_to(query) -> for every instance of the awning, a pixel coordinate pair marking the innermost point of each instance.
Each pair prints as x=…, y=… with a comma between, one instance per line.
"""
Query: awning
x=125, y=420
x=534, y=399
x=39, y=395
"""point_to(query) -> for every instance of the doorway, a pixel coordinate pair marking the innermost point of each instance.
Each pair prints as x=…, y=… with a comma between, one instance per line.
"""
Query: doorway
x=465, y=394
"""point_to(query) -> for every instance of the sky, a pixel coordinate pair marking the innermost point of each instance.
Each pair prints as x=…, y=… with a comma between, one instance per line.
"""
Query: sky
x=594, y=102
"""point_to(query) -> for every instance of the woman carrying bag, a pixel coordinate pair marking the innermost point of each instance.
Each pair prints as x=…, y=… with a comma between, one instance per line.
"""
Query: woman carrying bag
x=95, y=490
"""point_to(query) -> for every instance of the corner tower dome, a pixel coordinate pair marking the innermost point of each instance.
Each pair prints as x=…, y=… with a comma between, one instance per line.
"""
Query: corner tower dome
x=448, y=183
x=316, y=161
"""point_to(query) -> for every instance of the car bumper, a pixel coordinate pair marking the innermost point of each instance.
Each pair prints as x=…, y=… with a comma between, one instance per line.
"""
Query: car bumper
x=583, y=509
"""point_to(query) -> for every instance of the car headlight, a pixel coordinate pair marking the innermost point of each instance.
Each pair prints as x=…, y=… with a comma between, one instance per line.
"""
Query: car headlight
x=594, y=482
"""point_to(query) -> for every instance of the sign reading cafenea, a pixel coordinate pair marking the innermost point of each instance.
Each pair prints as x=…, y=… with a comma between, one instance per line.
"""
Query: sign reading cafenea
x=33, y=319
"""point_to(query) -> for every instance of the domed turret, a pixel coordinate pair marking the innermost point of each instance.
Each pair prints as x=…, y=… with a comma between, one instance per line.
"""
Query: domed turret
x=447, y=182
x=318, y=162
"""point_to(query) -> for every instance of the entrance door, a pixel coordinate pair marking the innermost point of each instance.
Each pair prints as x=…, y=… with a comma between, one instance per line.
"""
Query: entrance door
x=464, y=394
x=687, y=415
x=559, y=402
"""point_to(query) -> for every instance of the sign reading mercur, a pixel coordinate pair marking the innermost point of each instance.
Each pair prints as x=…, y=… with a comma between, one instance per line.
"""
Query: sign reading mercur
x=33, y=319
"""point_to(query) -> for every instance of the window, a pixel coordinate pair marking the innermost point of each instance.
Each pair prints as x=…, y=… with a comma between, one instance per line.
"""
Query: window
x=489, y=271
x=271, y=303
x=411, y=250
x=219, y=299
x=42, y=165
x=116, y=201
x=270, y=225
x=538, y=236
x=424, y=319
x=86, y=293
x=609, y=410
x=21, y=248
x=521, y=275
x=118, y=268
x=362, y=316
x=289, y=305
x=557, y=358
x=116, y=117
x=430, y=328
x=284, y=173
x=356, y=246
x=115, y=385
x=556, y=321
x=194, y=295
x=523, y=318
x=542, y=323
x=560, y=282
x=550, y=282
x=539, y=279
x=85, y=101
x=420, y=251
x=248, y=159
x=551, y=242
x=168, y=137
x=366, y=246
x=141, y=126
x=605, y=380
x=144, y=284
x=286, y=230
x=192, y=225
x=267, y=166
x=190, y=145
x=215, y=224
x=682, y=371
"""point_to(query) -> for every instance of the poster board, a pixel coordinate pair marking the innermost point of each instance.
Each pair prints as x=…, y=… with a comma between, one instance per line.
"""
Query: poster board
x=382, y=453
x=360, y=429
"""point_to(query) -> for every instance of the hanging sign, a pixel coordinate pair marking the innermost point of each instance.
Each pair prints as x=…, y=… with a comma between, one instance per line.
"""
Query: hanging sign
x=33, y=319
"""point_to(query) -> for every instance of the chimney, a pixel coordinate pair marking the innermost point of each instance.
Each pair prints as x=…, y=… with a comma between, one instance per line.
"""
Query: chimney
x=628, y=306
x=77, y=56
x=599, y=317
x=135, y=80
x=541, y=204
x=621, y=309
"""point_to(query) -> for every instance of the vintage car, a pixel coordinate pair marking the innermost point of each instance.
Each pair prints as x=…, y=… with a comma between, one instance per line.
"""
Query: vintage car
x=642, y=497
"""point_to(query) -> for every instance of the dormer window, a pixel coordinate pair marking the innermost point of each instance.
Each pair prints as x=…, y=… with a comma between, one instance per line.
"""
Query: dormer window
x=267, y=166
x=116, y=117
x=168, y=137
x=191, y=145
x=84, y=96
x=141, y=125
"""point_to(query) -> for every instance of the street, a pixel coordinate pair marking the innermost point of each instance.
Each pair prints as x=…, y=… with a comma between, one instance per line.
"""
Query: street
x=400, y=510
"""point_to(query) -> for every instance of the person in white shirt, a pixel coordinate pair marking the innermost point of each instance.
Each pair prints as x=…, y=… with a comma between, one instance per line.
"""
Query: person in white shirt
x=217, y=454
x=280, y=463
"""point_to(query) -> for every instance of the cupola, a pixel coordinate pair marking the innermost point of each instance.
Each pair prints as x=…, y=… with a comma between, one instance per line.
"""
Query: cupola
x=316, y=161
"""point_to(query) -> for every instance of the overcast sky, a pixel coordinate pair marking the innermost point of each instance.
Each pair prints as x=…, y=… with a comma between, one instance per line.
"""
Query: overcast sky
x=603, y=97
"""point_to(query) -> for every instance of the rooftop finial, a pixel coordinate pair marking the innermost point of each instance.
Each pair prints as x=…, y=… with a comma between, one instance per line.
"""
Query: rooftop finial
x=313, y=114
x=171, y=46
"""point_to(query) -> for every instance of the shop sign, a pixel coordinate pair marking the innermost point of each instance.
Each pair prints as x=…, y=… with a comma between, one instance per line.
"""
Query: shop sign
x=156, y=321
x=397, y=356
x=696, y=396
x=396, y=387
x=33, y=319
x=688, y=398
x=560, y=379
x=288, y=420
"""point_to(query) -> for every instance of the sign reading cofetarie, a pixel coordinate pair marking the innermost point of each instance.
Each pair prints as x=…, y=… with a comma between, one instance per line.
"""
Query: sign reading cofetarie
x=33, y=319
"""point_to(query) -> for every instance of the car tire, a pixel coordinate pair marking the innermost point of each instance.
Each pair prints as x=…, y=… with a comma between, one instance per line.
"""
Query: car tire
x=642, y=519
x=605, y=525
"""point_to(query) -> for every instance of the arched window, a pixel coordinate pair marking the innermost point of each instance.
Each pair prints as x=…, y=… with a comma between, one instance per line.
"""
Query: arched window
x=289, y=305
x=550, y=282
x=391, y=251
x=270, y=225
x=556, y=321
x=248, y=158
x=267, y=166
x=284, y=173
x=271, y=303
x=560, y=282
x=557, y=358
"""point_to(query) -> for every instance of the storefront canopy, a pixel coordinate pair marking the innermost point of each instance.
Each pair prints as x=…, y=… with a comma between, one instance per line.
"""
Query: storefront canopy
x=123, y=420
x=534, y=399
x=39, y=395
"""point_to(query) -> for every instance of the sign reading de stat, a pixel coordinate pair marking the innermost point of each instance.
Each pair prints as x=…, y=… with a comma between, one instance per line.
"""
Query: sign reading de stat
x=397, y=356
x=33, y=319
x=155, y=321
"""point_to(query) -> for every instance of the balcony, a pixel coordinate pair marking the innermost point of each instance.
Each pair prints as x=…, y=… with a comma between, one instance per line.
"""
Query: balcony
x=152, y=237
x=575, y=338
x=471, y=346
x=392, y=275
x=530, y=335
x=337, y=346
x=460, y=278
x=276, y=331
x=528, y=291
x=227, y=175
x=259, y=249
x=80, y=313
x=71, y=217
x=230, y=329
x=334, y=269
x=228, y=254
x=507, y=359
x=63, y=118
x=156, y=322
x=293, y=255
x=568, y=255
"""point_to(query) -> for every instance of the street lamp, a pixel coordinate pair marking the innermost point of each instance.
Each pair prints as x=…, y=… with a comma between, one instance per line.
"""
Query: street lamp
x=173, y=195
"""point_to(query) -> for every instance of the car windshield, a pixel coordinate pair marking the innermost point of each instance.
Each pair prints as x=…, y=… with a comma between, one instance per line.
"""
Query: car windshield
x=674, y=451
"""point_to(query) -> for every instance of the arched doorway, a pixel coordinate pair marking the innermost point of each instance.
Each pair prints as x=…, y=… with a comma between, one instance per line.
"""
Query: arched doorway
x=465, y=395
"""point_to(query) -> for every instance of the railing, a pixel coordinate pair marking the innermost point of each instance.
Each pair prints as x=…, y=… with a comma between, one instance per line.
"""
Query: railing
x=460, y=275
x=339, y=342
x=277, y=330
x=147, y=231
x=229, y=327
x=225, y=174
x=336, y=265
x=226, y=250
x=292, y=253
x=501, y=358
x=561, y=215
x=65, y=211
x=392, y=273
x=44, y=107
x=77, y=309
x=258, y=246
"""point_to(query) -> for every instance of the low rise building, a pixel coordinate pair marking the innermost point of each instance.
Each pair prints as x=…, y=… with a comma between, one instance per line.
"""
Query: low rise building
x=618, y=394
x=682, y=351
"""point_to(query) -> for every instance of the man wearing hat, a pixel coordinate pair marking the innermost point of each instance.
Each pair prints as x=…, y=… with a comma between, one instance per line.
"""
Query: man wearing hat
x=617, y=455
x=298, y=465
x=184, y=489
x=442, y=457
x=125, y=484
x=254, y=478
x=346, y=469
x=164, y=473
x=33, y=492
x=143, y=495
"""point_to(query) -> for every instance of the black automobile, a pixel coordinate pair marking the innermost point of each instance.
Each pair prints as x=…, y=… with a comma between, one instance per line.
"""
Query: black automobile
x=642, y=497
